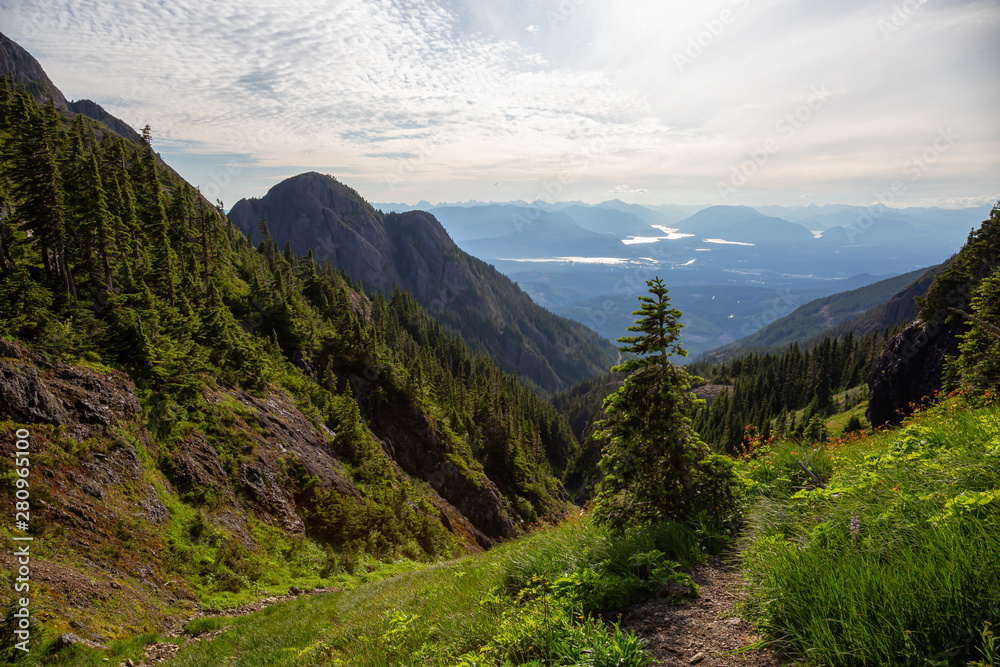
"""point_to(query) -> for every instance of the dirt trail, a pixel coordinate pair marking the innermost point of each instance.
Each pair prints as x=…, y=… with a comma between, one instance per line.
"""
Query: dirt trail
x=704, y=631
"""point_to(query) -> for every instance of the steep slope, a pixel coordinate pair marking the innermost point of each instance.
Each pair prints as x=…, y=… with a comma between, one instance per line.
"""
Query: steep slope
x=412, y=251
x=874, y=307
x=912, y=366
x=23, y=69
x=898, y=310
x=207, y=418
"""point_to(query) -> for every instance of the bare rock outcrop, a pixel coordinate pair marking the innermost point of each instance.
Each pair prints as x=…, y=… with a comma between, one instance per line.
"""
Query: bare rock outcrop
x=909, y=369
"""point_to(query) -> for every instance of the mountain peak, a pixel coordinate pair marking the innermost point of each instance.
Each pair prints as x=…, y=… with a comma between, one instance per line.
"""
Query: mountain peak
x=24, y=70
x=22, y=67
x=412, y=251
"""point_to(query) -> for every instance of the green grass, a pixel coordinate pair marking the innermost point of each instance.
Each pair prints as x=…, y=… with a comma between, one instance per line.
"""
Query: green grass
x=80, y=656
x=512, y=605
x=897, y=561
x=836, y=423
x=533, y=601
x=205, y=624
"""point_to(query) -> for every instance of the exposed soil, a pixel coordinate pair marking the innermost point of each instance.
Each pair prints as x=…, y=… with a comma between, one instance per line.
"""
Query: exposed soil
x=706, y=631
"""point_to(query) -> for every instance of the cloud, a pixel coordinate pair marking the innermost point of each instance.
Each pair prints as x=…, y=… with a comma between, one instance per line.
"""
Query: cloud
x=455, y=95
x=626, y=190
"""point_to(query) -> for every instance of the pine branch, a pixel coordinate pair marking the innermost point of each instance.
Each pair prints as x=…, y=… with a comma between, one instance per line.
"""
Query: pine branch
x=990, y=329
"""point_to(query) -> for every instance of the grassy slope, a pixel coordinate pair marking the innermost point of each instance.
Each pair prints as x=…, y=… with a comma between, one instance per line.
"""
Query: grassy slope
x=534, y=599
x=916, y=580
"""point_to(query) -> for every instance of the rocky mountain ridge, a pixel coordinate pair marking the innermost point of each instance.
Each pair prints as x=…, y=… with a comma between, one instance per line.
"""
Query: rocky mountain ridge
x=412, y=251
x=25, y=70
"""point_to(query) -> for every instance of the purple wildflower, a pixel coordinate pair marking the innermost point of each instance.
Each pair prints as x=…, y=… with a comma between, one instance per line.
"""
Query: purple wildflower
x=855, y=526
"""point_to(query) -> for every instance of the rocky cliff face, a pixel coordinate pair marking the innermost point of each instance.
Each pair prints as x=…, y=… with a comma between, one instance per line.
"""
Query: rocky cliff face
x=909, y=370
x=22, y=67
x=108, y=491
x=902, y=307
x=412, y=251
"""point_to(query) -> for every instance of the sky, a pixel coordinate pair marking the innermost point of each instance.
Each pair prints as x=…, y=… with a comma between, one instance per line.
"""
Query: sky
x=649, y=101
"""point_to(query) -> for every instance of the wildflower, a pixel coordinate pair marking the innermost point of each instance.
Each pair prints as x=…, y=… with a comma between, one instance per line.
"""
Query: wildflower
x=855, y=526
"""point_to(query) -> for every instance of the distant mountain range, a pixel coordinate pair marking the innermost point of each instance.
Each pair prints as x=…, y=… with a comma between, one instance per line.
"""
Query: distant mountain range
x=731, y=269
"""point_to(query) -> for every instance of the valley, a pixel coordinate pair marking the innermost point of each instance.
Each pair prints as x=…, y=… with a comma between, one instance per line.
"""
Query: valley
x=307, y=429
x=732, y=270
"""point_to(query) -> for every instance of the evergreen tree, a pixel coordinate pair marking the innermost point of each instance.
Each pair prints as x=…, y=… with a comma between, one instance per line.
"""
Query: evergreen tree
x=979, y=350
x=154, y=218
x=651, y=446
x=33, y=165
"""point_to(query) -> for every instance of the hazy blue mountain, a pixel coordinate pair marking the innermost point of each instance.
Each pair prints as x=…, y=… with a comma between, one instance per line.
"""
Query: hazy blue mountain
x=422, y=205
x=937, y=225
x=745, y=224
x=550, y=235
x=621, y=224
x=675, y=212
x=493, y=221
x=646, y=214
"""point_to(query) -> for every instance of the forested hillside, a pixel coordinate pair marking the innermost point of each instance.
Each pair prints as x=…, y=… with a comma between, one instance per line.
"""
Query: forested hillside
x=859, y=311
x=758, y=395
x=764, y=391
x=254, y=390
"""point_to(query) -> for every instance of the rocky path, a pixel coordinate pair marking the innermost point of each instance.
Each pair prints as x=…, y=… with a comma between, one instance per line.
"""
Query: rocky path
x=705, y=631
x=164, y=651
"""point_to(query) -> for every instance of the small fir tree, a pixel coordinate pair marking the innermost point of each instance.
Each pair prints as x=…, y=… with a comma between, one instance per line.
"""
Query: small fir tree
x=653, y=459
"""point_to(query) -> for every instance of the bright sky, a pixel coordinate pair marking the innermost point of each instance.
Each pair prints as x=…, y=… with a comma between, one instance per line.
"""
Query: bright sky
x=650, y=101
